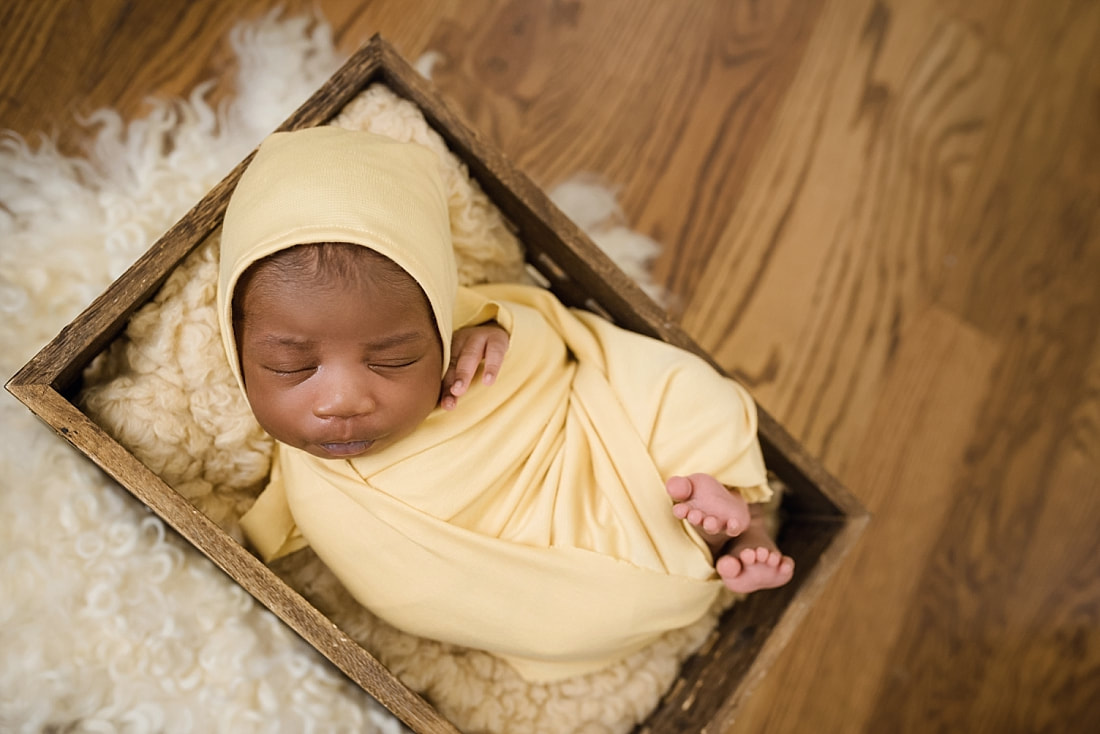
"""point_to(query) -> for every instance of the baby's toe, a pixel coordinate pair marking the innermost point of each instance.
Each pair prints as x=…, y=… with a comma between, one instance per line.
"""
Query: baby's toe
x=728, y=566
x=679, y=488
x=712, y=525
x=751, y=556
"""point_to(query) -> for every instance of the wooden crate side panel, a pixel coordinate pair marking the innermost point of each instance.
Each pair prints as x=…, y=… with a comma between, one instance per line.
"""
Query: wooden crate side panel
x=365, y=66
x=814, y=492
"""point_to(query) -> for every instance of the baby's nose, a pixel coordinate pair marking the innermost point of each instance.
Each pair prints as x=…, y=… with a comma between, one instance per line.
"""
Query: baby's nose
x=344, y=397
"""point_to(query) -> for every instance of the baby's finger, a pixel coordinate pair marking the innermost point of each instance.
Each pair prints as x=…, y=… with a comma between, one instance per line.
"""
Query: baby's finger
x=495, y=349
x=447, y=401
x=465, y=367
x=449, y=379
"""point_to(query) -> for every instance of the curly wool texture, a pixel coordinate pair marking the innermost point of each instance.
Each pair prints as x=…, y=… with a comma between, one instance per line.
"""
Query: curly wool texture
x=165, y=391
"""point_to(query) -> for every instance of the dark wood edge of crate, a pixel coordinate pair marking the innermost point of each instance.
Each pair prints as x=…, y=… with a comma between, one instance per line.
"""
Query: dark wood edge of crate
x=583, y=276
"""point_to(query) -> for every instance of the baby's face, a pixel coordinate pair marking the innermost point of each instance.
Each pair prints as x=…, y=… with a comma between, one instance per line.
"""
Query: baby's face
x=338, y=370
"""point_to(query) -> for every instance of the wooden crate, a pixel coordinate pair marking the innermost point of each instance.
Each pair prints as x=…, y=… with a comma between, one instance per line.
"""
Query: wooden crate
x=821, y=519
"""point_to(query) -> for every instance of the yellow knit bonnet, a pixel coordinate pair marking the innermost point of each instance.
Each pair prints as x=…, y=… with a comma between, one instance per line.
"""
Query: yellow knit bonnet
x=327, y=184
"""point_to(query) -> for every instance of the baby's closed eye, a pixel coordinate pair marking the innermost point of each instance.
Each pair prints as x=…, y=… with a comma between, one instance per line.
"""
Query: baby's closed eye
x=290, y=369
x=394, y=364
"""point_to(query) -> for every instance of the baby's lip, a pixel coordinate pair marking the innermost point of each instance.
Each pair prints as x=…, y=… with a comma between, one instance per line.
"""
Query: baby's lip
x=345, y=449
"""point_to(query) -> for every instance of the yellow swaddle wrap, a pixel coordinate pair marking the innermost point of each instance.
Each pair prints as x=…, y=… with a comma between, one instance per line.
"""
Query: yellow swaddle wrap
x=532, y=520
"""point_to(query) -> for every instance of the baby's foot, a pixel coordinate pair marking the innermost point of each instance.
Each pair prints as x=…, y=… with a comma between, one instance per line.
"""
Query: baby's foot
x=754, y=563
x=706, y=503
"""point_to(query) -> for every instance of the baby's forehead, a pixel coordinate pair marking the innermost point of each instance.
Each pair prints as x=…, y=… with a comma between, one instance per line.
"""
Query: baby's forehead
x=323, y=267
x=329, y=262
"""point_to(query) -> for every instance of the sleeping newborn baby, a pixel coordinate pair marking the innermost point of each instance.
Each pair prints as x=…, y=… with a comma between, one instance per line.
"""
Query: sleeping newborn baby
x=481, y=466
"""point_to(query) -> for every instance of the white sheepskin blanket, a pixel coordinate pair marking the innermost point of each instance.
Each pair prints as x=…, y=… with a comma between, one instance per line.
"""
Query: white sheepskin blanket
x=108, y=622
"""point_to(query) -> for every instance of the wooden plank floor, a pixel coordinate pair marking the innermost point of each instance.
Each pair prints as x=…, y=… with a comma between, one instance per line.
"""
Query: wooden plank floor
x=883, y=214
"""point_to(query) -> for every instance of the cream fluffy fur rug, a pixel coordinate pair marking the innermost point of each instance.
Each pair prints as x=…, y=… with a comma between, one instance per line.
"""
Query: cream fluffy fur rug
x=107, y=621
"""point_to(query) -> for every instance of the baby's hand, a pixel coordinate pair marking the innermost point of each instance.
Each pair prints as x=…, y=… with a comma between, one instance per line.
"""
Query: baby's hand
x=471, y=347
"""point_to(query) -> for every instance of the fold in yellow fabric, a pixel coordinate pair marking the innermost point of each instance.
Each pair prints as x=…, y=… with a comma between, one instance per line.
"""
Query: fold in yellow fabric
x=532, y=520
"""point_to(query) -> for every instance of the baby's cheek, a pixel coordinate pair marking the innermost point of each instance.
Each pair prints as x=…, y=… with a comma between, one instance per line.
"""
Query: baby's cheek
x=275, y=416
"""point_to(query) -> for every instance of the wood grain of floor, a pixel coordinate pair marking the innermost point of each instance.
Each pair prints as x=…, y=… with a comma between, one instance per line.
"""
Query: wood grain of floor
x=884, y=215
